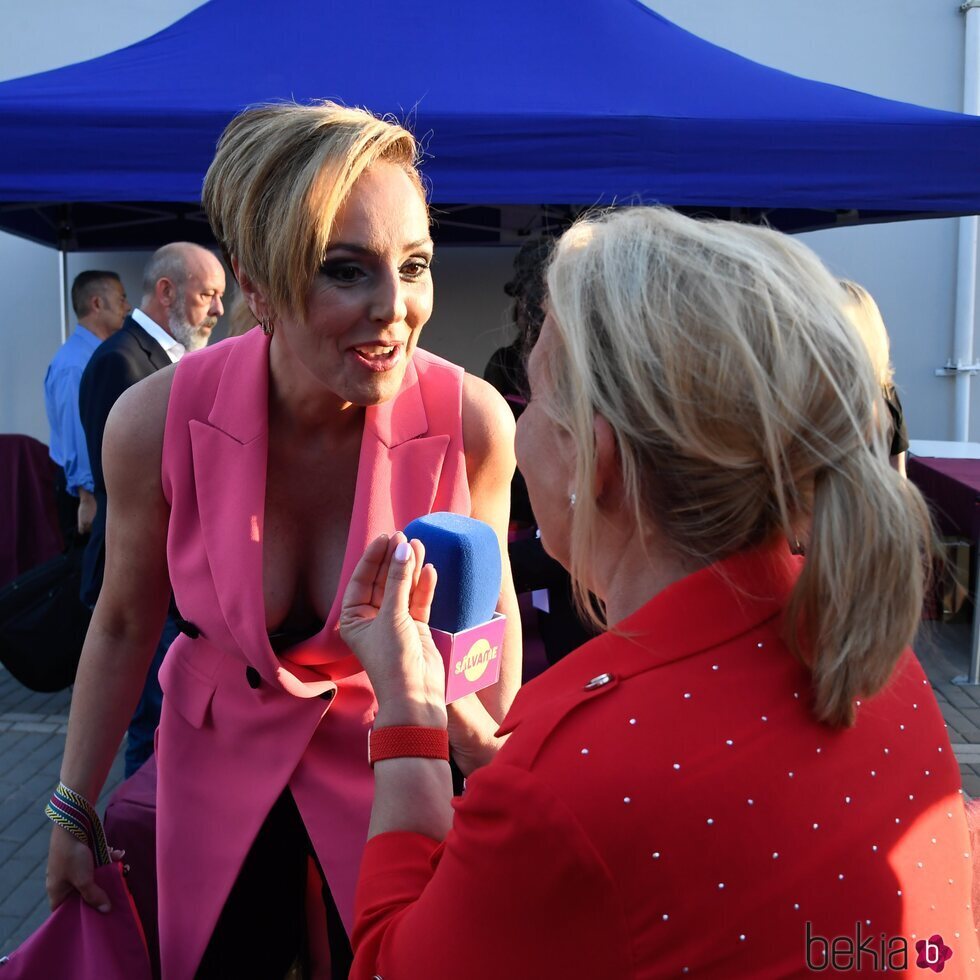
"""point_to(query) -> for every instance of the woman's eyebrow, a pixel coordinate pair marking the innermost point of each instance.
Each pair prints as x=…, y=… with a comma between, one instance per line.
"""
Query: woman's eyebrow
x=365, y=250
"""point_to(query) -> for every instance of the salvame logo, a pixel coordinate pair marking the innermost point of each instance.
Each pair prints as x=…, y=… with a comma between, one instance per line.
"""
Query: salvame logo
x=476, y=660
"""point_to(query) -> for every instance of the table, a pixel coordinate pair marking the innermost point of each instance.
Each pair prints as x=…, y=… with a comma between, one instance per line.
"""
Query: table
x=952, y=488
x=944, y=450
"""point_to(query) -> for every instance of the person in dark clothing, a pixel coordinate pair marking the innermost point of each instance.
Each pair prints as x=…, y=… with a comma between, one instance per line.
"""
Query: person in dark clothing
x=559, y=624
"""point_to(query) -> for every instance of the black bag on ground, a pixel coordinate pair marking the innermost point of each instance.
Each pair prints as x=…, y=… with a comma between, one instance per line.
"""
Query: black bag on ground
x=43, y=623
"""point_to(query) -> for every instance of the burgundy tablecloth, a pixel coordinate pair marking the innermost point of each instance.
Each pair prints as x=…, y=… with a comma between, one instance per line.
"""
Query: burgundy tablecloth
x=952, y=487
x=29, y=532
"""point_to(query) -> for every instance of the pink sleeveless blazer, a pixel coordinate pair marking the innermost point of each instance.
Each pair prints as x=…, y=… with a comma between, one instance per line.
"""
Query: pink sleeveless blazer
x=239, y=723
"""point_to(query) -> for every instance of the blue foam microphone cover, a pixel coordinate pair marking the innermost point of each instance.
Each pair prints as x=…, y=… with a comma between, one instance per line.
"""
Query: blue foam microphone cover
x=466, y=555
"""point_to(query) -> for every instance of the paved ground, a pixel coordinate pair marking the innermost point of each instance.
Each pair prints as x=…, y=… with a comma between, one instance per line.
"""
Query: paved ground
x=945, y=653
x=32, y=738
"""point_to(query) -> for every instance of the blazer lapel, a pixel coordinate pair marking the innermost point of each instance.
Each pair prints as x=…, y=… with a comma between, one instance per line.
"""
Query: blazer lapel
x=156, y=355
x=230, y=454
x=397, y=475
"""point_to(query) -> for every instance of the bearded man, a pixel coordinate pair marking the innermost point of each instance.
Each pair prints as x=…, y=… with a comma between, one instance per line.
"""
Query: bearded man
x=182, y=289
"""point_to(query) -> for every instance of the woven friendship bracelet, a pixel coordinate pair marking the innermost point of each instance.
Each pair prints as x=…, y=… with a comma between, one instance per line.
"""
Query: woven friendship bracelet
x=408, y=741
x=72, y=812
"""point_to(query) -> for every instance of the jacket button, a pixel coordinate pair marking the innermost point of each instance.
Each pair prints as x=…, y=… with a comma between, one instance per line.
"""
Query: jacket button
x=253, y=677
x=188, y=628
x=328, y=696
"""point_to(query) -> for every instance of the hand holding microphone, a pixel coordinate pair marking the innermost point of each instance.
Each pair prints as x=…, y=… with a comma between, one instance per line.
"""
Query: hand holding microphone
x=384, y=620
x=389, y=606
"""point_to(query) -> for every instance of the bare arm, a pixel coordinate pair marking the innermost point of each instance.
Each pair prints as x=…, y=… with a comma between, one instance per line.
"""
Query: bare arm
x=384, y=620
x=128, y=617
x=488, y=437
x=488, y=434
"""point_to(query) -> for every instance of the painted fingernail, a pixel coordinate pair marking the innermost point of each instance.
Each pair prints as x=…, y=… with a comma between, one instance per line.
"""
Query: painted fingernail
x=402, y=550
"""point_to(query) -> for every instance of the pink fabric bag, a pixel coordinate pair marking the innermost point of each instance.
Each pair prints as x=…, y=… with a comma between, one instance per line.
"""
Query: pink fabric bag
x=76, y=942
x=131, y=823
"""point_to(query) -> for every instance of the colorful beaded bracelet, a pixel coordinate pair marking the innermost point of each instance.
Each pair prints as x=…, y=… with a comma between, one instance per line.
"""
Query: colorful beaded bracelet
x=73, y=813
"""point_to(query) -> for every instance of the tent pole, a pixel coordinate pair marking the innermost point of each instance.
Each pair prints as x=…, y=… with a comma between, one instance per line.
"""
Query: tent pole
x=966, y=286
x=63, y=284
x=966, y=269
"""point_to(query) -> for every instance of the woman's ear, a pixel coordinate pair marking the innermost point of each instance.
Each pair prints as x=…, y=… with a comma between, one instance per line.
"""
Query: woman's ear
x=608, y=472
x=254, y=297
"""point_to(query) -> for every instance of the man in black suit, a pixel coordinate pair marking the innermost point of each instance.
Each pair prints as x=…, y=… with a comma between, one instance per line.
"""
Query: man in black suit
x=182, y=289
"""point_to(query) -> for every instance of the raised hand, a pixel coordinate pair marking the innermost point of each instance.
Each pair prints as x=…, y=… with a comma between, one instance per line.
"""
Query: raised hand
x=384, y=620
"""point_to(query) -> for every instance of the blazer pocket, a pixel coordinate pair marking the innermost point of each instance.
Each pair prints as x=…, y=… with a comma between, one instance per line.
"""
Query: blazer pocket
x=186, y=688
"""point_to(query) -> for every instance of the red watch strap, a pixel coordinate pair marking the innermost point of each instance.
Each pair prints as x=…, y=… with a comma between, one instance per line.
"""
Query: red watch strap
x=408, y=741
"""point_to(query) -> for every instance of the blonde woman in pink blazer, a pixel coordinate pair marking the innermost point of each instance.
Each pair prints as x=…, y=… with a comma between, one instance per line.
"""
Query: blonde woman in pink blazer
x=251, y=479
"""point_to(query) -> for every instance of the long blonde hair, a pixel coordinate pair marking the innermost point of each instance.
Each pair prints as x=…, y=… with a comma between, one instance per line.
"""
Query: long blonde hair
x=278, y=178
x=743, y=406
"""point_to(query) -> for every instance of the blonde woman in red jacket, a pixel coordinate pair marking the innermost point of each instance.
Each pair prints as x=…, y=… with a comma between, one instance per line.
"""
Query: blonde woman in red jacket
x=747, y=775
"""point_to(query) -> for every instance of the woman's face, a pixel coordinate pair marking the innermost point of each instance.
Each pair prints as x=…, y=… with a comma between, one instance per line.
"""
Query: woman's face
x=373, y=293
x=545, y=453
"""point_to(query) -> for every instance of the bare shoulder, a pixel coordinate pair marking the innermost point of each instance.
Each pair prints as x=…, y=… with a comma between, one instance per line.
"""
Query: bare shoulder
x=134, y=429
x=488, y=423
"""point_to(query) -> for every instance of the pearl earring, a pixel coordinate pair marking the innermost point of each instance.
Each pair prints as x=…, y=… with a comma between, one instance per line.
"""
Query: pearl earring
x=571, y=499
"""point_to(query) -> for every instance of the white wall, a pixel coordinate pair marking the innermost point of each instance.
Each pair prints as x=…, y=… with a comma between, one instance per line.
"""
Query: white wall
x=911, y=50
x=36, y=36
x=30, y=333
x=904, y=49
x=471, y=318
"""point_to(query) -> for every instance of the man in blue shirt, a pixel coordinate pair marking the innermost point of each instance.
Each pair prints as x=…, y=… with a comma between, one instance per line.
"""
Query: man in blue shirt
x=99, y=301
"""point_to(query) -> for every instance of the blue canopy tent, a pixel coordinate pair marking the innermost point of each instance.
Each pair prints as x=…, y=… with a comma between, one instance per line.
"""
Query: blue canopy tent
x=527, y=112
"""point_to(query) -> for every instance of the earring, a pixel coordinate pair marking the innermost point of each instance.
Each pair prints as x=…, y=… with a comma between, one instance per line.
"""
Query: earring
x=571, y=499
x=268, y=328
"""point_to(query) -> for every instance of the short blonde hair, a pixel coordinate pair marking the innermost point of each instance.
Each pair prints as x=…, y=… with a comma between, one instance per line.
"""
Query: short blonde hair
x=863, y=312
x=743, y=407
x=278, y=178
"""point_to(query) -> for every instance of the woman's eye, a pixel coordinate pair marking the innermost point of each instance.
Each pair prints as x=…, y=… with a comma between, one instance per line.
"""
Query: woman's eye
x=415, y=269
x=341, y=272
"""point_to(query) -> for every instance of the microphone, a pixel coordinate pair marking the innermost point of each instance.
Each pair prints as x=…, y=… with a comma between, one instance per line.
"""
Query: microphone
x=465, y=626
x=466, y=556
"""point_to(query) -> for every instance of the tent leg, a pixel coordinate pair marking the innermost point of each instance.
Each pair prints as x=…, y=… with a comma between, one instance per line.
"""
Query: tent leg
x=966, y=270
x=65, y=298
